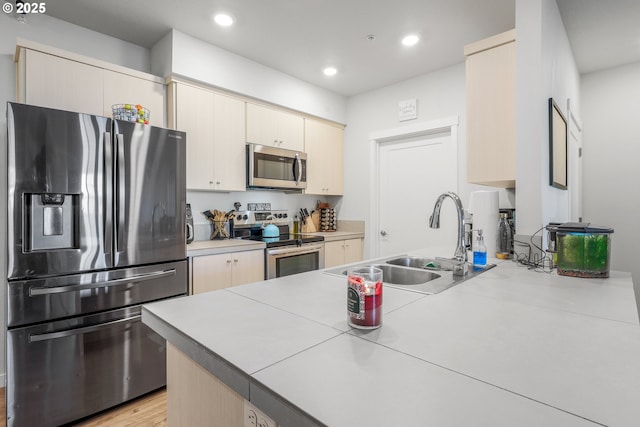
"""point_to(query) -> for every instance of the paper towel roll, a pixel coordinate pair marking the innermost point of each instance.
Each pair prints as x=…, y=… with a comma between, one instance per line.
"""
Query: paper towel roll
x=486, y=213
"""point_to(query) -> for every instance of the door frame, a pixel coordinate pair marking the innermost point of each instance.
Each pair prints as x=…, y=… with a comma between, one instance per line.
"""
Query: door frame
x=377, y=138
x=574, y=127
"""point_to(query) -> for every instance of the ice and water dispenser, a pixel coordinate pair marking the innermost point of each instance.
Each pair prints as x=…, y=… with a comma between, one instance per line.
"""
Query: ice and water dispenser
x=50, y=222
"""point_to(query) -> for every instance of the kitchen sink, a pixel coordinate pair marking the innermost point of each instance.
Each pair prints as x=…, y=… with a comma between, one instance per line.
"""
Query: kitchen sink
x=401, y=276
x=416, y=262
x=417, y=274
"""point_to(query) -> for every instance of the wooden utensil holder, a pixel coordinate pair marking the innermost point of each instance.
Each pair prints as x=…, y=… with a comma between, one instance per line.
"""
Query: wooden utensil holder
x=308, y=226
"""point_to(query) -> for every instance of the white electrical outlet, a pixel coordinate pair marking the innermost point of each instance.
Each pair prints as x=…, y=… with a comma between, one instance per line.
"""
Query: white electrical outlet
x=253, y=417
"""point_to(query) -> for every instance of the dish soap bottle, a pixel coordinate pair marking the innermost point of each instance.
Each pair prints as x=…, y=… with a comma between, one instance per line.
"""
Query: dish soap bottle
x=479, y=251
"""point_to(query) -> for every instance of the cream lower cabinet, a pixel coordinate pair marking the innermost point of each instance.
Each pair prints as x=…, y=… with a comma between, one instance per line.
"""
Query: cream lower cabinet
x=275, y=128
x=215, y=126
x=213, y=272
x=325, y=153
x=339, y=252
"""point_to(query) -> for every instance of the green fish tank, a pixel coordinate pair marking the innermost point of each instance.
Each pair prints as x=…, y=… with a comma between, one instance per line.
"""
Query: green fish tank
x=583, y=250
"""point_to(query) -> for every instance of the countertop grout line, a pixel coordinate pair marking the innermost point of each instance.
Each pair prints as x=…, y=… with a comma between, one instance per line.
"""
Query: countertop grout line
x=281, y=309
x=542, y=308
x=473, y=378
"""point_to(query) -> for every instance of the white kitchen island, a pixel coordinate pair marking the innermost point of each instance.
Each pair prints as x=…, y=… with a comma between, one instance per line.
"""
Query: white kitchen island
x=508, y=347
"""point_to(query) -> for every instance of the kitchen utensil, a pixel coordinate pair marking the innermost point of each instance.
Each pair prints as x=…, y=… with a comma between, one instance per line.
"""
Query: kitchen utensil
x=219, y=220
x=270, y=231
x=189, y=224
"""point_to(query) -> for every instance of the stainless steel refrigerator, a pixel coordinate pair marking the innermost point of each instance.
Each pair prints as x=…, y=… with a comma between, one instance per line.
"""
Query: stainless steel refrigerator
x=96, y=227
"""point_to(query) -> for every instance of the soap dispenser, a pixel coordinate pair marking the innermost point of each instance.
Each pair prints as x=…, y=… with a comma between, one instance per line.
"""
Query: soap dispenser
x=479, y=251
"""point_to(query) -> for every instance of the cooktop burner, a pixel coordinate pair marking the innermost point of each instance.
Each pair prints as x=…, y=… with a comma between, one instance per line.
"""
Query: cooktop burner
x=289, y=239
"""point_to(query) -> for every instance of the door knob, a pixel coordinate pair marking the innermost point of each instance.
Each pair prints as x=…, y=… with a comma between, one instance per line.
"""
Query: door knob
x=383, y=233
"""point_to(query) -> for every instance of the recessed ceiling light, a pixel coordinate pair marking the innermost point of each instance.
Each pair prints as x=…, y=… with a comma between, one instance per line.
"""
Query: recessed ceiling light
x=223, y=20
x=330, y=71
x=410, y=40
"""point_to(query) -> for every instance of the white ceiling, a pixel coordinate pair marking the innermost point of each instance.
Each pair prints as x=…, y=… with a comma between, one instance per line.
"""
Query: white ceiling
x=301, y=37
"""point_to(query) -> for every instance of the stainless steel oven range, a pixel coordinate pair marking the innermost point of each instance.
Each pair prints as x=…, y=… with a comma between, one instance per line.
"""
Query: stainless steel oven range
x=287, y=253
x=96, y=227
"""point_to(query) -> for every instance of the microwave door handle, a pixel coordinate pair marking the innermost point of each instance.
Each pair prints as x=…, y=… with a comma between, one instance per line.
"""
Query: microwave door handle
x=297, y=162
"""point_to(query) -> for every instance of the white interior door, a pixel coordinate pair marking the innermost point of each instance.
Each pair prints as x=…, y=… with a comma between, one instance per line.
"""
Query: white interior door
x=412, y=174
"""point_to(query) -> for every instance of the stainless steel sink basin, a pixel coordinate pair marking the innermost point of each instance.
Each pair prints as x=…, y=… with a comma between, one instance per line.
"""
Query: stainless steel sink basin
x=415, y=273
x=416, y=262
x=401, y=276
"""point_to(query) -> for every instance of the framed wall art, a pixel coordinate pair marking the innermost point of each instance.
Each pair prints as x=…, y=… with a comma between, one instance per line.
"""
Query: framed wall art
x=557, y=147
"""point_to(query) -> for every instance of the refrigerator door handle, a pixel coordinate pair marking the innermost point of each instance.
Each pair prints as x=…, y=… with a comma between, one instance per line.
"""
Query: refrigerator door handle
x=120, y=193
x=82, y=330
x=108, y=194
x=43, y=290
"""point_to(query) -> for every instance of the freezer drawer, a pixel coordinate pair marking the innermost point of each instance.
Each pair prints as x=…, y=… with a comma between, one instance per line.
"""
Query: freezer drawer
x=45, y=299
x=65, y=370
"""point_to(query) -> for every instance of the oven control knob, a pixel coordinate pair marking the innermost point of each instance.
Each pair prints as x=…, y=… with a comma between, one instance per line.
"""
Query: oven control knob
x=284, y=215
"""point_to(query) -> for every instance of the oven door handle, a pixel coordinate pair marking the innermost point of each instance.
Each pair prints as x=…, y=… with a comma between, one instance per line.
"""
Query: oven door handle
x=43, y=290
x=299, y=250
x=82, y=330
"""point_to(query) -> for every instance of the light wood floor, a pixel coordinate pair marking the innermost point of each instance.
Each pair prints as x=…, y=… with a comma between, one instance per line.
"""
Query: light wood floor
x=148, y=411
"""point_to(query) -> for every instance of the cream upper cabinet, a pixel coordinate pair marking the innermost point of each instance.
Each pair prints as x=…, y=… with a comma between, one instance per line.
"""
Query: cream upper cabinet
x=125, y=89
x=276, y=128
x=213, y=272
x=215, y=126
x=339, y=252
x=54, y=82
x=53, y=78
x=491, y=111
x=325, y=154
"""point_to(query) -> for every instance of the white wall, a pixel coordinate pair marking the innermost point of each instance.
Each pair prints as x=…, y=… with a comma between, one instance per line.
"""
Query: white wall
x=210, y=64
x=546, y=68
x=440, y=94
x=611, y=152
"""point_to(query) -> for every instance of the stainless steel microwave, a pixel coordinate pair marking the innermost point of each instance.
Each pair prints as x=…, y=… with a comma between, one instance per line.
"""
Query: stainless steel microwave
x=278, y=168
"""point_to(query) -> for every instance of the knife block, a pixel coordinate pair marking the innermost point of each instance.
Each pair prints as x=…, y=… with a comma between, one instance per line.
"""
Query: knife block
x=308, y=226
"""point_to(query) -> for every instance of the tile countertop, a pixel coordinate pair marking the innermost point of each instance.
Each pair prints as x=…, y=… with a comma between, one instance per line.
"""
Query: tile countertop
x=508, y=347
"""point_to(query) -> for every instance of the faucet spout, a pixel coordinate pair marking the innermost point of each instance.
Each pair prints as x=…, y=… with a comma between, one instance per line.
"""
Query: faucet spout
x=434, y=222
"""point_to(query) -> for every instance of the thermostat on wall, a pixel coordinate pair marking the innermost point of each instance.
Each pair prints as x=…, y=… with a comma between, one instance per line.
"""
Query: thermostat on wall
x=407, y=109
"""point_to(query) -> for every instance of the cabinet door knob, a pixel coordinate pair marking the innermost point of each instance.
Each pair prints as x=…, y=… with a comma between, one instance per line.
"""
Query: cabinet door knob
x=235, y=260
x=383, y=233
x=228, y=261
